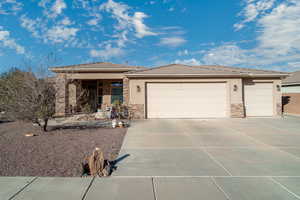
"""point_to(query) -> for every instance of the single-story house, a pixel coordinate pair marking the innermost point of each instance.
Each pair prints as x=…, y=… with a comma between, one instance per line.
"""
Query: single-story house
x=173, y=91
x=291, y=94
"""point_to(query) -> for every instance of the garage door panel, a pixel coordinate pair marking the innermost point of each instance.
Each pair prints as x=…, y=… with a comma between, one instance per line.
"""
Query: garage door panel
x=186, y=100
x=259, y=99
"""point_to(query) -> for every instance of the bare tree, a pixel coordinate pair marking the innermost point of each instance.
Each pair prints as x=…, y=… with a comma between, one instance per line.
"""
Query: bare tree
x=26, y=97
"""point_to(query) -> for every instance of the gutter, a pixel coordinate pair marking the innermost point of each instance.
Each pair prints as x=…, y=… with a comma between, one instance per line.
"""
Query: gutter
x=290, y=84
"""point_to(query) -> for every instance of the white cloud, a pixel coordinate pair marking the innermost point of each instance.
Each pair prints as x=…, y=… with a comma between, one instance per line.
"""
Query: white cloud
x=252, y=10
x=171, y=9
x=280, y=30
x=53, y=11
x=277, y=40
x=92, y=22
x=225, y=55
x=7, y=41
x=58, y=6
x=141, y=29
x=59, y=34
x=184, y=52
x=8, y=7
x=66, y=21
x=31, y=25
x=127, y=25
x=172, y=41
x=191, y=61
x=120, y=12
x=95, y=20
x=107, y=52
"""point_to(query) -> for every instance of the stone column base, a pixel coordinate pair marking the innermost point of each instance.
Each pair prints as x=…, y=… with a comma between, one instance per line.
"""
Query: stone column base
x=137, y=111
x=237, y=110
x=279, y=109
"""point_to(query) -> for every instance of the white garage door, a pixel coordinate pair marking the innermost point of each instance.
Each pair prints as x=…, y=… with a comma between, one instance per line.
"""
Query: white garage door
x=258, y=99
x=186, y=100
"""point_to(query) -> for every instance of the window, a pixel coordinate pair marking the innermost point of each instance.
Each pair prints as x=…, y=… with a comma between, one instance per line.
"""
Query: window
x=116, y=92
x=117, y=84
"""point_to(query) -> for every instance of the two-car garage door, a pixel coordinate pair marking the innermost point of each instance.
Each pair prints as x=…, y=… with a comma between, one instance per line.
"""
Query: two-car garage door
x=205, y=100
x=187, y=100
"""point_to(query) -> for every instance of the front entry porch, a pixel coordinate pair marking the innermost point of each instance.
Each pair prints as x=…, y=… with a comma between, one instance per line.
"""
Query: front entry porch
x=89, y=95
x=100, y=94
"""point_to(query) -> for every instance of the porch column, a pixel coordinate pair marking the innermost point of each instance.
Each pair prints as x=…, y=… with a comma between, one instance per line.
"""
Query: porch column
x=74, y=89
x=61, y=94
x=125, y=91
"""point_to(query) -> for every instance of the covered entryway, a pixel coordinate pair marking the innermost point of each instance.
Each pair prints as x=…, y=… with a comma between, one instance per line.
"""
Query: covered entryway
x=258, y=99
x=187, y=100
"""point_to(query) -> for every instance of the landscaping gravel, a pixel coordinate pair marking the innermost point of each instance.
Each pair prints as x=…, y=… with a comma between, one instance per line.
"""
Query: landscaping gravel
x=58, y=152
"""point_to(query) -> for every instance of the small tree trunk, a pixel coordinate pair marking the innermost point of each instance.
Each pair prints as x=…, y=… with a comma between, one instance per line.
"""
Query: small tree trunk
x=45, y=125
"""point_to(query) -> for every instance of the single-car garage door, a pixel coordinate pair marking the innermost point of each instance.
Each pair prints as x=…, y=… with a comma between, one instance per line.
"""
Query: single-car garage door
x=258, y=99
x=186, y=100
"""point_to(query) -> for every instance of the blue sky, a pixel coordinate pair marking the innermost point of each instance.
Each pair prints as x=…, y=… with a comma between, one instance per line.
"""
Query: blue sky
x=244, y=33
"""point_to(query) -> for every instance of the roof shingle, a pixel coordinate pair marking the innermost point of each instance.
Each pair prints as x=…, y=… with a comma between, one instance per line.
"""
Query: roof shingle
x=95, y=66
x=203, y=69
x=293, y=79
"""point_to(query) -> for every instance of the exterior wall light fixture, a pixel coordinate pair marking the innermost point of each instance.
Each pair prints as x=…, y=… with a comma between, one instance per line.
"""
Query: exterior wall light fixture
x=235, y=88
x=278, y=88
x=138, y=88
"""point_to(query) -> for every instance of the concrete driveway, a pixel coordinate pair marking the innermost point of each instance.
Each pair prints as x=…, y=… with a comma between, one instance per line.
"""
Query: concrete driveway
x=233, y=159
x=256, y=158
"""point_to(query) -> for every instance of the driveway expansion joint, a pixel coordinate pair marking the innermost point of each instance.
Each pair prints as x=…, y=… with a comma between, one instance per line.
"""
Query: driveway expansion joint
x=88, y=188
x=220, y=188
x=23, y=188
x=154, y=189
x=284, y=187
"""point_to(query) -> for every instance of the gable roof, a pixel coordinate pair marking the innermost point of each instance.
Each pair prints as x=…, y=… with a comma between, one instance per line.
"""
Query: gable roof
x=95, y=67
x=203, y=70
x=293, y=79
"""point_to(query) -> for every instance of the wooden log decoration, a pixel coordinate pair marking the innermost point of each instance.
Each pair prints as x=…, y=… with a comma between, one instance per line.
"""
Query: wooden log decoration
x=98, y=165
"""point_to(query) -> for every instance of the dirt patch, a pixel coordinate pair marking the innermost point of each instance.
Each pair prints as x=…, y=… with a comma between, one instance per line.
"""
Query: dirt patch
x=55, y=153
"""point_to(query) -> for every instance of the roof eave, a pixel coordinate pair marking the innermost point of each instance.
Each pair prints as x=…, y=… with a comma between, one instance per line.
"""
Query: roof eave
x=291, y=84
x=65, y=70
x=205, y=75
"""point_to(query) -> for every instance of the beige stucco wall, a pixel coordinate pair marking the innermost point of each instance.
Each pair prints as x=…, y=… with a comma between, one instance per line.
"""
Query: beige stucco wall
x=136, y=97
x=234, y=97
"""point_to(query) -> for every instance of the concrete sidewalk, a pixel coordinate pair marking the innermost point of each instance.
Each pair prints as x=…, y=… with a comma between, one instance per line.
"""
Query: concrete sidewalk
x=150, y=188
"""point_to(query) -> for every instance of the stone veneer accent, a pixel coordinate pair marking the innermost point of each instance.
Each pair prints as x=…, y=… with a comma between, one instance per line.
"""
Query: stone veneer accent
x=237, y=110
x=74, y=89
x=125, y=91
x=279, y=109
x=61, y=102
x=137, y=111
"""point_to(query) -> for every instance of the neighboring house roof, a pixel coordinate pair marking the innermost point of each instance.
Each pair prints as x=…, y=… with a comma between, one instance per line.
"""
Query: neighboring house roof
x=96, y=67
x=203, y=70
x=293, y=79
